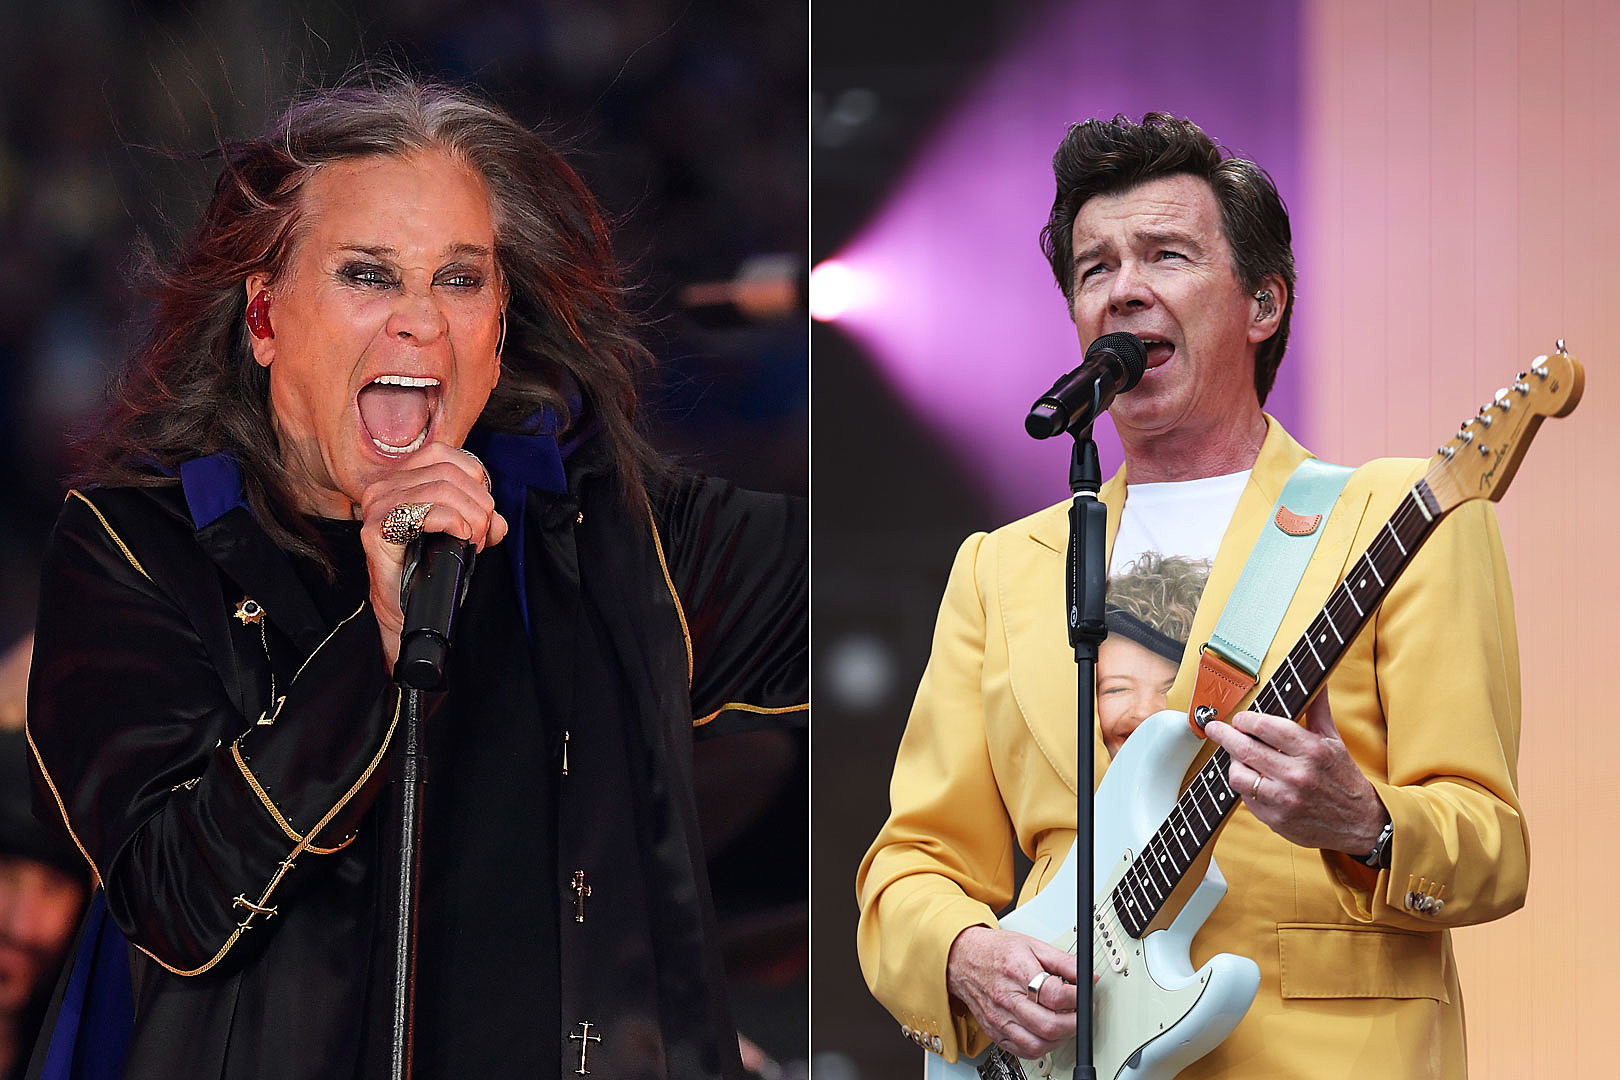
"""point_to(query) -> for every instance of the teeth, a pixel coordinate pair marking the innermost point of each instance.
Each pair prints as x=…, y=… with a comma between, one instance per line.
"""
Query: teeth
x=416, y=444
x=404, y=380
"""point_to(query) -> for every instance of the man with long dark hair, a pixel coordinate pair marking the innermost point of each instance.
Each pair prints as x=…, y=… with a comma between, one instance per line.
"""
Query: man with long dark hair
x=400, y=314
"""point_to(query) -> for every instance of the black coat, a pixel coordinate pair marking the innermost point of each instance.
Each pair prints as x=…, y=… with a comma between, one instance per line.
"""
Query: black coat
x=222, y=776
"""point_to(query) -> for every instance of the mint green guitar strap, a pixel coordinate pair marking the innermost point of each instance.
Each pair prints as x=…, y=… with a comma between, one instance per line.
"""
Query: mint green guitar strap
x=1271, y=576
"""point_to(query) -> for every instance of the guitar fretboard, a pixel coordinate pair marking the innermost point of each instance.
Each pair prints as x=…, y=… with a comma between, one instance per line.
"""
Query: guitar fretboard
x=1208, y=799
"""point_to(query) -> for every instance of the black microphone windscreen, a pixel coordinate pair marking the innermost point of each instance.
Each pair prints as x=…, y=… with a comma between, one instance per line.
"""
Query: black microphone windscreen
x=1130, y=350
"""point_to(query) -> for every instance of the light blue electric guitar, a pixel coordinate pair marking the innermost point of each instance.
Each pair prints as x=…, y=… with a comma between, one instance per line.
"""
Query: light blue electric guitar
x=1156, y=1014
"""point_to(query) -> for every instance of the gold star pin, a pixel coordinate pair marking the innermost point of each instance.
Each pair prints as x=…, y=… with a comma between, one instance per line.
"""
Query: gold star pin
x=250, y=611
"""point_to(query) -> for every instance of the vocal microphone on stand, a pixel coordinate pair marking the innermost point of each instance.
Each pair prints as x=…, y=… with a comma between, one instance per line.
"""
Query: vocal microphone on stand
x=1114, y=363
x=438, y=567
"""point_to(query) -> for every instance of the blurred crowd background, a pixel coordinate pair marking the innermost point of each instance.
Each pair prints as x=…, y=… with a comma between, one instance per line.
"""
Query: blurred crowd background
x=686, y=118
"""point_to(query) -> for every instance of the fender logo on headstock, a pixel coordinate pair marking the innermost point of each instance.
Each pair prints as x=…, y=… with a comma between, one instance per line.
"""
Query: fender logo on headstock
x=1489, y=477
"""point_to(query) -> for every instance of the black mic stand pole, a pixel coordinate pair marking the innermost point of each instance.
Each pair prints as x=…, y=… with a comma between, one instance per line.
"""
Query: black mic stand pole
x=404, y=884
x=1086, y=596
x=435, y=582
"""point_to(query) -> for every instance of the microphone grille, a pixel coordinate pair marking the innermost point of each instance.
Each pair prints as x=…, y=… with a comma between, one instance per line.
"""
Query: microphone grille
x=1130, y=350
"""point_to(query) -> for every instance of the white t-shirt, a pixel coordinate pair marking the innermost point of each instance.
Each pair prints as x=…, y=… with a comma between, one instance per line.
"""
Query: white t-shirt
x=1168, y=536
x=1182, y=517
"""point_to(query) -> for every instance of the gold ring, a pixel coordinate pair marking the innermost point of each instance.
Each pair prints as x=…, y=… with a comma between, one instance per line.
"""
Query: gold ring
x=1254, y=792
x=403, y=523
x=1035, y=984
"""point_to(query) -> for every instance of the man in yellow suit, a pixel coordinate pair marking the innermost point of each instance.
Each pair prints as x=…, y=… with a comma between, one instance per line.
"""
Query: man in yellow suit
x=1389, y=814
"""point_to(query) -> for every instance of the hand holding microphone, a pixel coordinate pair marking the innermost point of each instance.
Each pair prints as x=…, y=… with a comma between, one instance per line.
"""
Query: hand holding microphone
x=434, y=512
x=438, y=568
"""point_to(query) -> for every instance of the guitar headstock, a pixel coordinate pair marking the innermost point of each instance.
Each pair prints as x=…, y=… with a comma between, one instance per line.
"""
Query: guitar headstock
x=1482, y=457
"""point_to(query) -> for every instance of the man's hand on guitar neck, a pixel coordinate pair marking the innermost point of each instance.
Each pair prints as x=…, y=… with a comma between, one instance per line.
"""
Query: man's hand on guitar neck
x=989, y=971
x=1301, y=781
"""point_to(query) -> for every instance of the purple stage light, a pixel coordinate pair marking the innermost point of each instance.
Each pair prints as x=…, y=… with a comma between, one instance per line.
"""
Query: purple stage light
x=958, y=306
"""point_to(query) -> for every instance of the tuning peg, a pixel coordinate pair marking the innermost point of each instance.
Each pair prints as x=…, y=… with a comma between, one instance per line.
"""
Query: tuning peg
x=1559, y=348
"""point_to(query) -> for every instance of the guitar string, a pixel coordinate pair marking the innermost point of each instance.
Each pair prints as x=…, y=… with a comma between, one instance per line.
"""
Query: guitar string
x=1213, y=774
x=1212, y=777
x=1334, y=609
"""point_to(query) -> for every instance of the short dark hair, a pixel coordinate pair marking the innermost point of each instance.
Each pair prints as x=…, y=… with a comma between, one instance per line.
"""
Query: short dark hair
x=192, y=386
x=1106, y=157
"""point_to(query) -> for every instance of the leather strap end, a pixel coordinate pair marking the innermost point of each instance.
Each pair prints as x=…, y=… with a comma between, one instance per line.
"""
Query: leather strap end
x=1220, y=686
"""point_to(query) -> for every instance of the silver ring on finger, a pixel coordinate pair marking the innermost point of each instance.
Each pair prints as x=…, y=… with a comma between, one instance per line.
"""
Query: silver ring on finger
x=483, y=470
x=1035, y=984
x=403, y=523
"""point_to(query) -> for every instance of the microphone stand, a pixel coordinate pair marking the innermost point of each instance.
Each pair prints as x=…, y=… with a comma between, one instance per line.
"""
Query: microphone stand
x=436, y=577
x=404, y=886
x=1086, y=595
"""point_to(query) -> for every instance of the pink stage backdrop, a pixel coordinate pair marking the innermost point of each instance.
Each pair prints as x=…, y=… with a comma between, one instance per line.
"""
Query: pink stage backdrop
x=1461, y=164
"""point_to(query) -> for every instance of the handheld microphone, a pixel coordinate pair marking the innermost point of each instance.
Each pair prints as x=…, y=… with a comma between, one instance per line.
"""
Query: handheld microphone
x=1113, y=364
x=438, y=568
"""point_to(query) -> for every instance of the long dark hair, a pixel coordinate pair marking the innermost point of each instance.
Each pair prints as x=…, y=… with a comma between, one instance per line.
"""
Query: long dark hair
x=192, y=387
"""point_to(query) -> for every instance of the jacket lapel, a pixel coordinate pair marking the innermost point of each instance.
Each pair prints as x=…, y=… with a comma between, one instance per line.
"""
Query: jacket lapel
x=239, y=547
x=229, y=535
x=1040, y=663
x=1279, y=456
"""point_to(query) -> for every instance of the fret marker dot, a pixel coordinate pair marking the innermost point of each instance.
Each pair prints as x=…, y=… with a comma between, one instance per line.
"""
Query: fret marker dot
x=1363, y=583
x=1322, y=639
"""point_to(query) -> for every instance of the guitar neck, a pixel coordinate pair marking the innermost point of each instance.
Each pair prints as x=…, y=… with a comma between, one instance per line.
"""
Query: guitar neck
x=1205, y=803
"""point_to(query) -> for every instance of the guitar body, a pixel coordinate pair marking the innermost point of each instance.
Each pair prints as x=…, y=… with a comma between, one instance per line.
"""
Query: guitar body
x=1159, y=1015
x=1155, y=1015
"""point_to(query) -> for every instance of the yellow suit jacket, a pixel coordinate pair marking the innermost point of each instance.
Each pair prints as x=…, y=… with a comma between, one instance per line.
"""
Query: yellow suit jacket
x=1357, y=976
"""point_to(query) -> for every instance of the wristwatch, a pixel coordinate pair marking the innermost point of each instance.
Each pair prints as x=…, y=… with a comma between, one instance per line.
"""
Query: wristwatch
x=1378, y=857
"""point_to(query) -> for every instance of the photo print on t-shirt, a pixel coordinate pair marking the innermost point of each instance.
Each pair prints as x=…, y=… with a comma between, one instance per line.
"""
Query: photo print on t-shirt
x=1151, y=604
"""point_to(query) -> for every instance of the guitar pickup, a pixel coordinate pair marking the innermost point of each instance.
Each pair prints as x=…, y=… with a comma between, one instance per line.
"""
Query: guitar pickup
x=1108, y=938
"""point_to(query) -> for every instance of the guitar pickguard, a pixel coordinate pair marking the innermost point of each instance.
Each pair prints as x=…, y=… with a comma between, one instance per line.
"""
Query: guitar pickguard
x=1154, y=1013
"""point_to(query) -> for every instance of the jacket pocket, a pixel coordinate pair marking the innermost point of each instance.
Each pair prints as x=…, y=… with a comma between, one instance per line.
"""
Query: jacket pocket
x=1321, y=960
